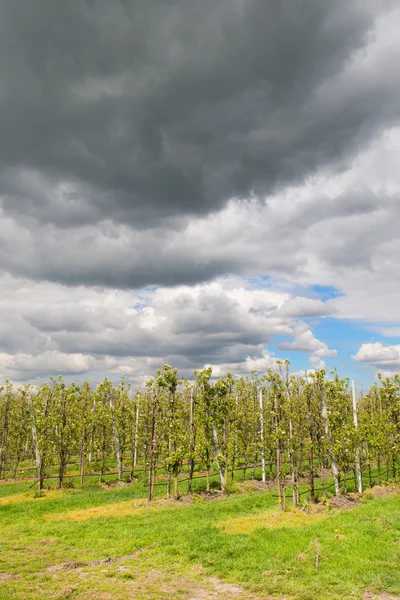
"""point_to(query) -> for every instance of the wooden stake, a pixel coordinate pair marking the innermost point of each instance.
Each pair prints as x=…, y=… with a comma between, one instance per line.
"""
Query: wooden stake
x=355, y=419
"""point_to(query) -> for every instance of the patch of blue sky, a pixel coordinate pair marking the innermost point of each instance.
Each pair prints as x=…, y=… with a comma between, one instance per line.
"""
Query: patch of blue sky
x=259, y=283
x=325, y=292
x=150, y=288
x=139, y=305
x=346, y=336
x=319, y=292
x=279, y=284
x=343, y=335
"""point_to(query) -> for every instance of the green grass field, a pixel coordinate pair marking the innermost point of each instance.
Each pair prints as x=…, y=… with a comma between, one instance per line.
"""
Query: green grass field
x=109, y=544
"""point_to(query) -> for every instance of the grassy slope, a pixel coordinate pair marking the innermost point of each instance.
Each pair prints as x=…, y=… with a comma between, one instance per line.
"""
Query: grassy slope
x=241, y=539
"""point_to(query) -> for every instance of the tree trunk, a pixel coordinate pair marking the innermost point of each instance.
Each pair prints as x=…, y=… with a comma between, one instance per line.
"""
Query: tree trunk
x=311, y=453
x=83, y=448
x=192, y=441
x=261, y=402
x=293, y=467
x=169, y=473
x=334, y=468
x=208, y=467
x=61, y=473
x=4, y=435
x=145, y=457
x=311, y=469
x=135, y=446
x=38, y=456
x=151, y=453
x=83, y=464
x=117, y=444
x=369, y=464
x=176, y=481
x=103, y=453
x=281, y=498
x=221, y=468
x=355, y=419
x=92, y=433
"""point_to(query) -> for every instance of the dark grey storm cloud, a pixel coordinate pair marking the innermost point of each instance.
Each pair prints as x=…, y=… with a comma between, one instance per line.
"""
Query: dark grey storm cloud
x=143, y=110
x=127, y=127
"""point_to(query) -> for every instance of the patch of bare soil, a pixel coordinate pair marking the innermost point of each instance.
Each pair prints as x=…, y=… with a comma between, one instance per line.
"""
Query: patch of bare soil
x=344, y=502
x=383, y=491
x=69, y=565
x=147, y=582
x=311, y=508
x=243, y=487
x=201, y=495
x=383, y=596
x=48, y=540
x=257, y=486
x=211, y=495
x=325, y=473
x=157, y=585
x=114, y=484
x=8, y=577
x=217, y=589
x=186, y=499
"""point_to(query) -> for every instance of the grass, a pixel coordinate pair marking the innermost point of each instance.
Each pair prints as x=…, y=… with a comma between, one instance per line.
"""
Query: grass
x=235, y=547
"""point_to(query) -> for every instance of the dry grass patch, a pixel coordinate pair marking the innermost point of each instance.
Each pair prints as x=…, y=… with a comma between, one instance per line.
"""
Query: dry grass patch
x=8, y=577
x=270, y=520
x=383, y=491
x=383, y=596
x=114, y=509
x=30, y=497
x=213, y=588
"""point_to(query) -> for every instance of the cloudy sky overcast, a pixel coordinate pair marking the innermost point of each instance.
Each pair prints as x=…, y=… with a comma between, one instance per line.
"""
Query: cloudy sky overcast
x=197, y=183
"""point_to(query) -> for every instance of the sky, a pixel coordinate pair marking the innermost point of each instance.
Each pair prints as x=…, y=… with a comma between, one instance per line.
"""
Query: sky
x=199, y=183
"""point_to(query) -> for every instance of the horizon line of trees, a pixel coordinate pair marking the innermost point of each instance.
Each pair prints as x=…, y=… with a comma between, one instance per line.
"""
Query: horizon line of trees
x=294, y=428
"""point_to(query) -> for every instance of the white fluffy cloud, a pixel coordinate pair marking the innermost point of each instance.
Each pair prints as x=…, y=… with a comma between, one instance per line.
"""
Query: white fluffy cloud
x=91, y=332
x=384, y=358
x=305, y=341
